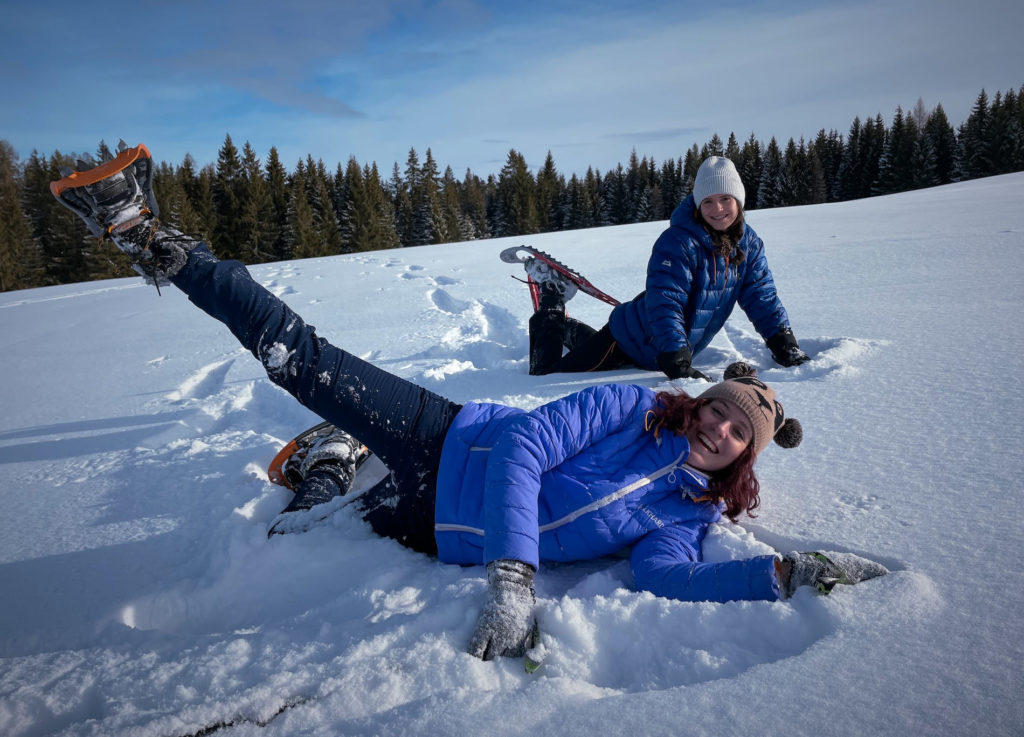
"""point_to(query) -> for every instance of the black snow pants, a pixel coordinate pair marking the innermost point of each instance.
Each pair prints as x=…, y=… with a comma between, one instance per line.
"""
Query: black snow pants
x=402, y=423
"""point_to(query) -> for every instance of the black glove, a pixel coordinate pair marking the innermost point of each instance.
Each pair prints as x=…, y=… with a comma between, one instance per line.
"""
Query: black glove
x=785, y=349
x=506, y=625
x=676, y=365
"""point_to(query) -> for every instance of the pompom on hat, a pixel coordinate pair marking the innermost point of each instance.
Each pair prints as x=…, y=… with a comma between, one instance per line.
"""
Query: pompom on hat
x=741, y=386
x=718, y=175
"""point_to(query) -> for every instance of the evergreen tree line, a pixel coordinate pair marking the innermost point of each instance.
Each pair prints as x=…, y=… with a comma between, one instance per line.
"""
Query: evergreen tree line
x=259, y=211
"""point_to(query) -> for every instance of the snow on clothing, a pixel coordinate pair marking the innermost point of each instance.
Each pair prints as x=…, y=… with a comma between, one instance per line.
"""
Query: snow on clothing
x=691, y=291
x=581, y=477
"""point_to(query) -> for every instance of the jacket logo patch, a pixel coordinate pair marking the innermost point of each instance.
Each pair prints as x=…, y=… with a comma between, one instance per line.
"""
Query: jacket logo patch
x=651, y=515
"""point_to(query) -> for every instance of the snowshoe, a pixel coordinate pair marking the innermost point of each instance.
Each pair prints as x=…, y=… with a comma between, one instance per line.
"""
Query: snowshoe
x=115, y=200
x=543, y=269
x=326, y=459
x=320, y=442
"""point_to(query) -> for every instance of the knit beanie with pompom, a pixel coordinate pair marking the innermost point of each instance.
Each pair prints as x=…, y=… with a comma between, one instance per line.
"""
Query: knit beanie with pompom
x=741, y=386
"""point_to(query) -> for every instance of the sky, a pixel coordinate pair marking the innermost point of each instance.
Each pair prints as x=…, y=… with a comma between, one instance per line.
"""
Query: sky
x=142, y=597
x=471, y=79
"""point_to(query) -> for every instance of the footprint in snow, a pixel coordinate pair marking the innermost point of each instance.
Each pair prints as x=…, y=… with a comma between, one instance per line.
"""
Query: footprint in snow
x=447, y=303
x=203, y=383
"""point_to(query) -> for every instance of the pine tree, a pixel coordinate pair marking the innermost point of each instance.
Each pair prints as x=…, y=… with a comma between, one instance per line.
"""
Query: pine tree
x=325, y=221
x=402, y=205
x=451, y=211
x=303, y=241
x=61, y=235
x=847, y=185
x=258, y=226
x=671, y=187
x=474, y=206
x=429, y=216
x=617, y=196
x=791, y=186
x=769, y=194
x=421, y=184
x=196, y=216
x=1001, y=147
x=691, y=163
x=571, y=205
x=732, y=149
x=382, y=216
x=749, y=166
x=277, y=187
x=516, y=198
x=922, y=163
x=632, y=186
x=828, y=148
x=940, y=138
x=871, y=151
x=894, y=166
x=714, y=147
x=228, y=186
x=548, y=189
x=598, y=200
x=1011, y=154
x=343, y=199
x=20, y=254
x=974, y=142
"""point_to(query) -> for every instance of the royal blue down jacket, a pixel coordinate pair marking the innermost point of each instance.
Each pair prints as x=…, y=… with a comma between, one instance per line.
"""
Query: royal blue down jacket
x=585, y=476
x=691, y=292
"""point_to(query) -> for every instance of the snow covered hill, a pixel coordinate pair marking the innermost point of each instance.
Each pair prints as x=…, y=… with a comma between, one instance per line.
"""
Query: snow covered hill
x=141, y=595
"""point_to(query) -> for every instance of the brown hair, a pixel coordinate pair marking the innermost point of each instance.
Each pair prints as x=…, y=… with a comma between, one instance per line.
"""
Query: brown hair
x=735, y=484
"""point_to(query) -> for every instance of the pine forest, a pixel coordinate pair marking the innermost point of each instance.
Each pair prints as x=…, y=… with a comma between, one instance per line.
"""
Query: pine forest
x=258, y=210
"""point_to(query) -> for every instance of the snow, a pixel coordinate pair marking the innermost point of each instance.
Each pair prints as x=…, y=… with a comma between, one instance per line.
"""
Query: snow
x=142, y=597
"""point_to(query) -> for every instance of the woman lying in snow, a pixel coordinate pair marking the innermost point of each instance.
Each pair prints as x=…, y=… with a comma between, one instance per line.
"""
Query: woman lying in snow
x=587, y=475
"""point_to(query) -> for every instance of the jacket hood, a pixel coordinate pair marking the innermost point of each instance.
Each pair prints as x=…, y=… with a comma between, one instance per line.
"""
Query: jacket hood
x=682, y=217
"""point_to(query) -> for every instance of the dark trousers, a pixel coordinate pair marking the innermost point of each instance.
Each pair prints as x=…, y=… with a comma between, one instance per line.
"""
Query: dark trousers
x=553, y=333
x=402, y=423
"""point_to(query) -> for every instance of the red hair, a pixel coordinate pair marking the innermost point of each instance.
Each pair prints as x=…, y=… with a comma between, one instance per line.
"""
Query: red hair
x=735, y=484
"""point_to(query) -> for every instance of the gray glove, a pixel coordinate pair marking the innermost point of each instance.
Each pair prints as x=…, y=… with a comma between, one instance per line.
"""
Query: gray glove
x=824, y=571
x=506, y=626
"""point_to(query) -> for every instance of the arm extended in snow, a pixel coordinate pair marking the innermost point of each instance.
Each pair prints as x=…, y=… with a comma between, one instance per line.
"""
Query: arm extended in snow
x=667, y=562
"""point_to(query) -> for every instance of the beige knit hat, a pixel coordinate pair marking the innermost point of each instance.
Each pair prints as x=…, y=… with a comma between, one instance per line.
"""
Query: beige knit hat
x=741, y=386
x=718, y=175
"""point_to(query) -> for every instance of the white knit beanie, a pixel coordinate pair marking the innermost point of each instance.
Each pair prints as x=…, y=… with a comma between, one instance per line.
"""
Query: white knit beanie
x=718, y=175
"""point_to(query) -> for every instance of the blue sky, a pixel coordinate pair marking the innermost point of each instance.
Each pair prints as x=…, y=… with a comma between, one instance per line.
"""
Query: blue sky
x=471, y=79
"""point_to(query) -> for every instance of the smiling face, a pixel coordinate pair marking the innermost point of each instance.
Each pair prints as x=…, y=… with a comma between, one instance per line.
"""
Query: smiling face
x=721, y=433
x=720, y=211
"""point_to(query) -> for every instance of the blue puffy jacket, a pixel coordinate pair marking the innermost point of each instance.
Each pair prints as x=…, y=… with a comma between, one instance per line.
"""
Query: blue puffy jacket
x=582, y=477
x=691, y=291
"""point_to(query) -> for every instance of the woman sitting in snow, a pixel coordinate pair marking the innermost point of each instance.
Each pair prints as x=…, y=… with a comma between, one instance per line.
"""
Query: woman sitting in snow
x=584, y=476
x=706, y=261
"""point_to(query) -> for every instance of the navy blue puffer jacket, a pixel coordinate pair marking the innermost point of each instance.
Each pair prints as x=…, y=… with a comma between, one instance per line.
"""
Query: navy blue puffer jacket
x=691, y=292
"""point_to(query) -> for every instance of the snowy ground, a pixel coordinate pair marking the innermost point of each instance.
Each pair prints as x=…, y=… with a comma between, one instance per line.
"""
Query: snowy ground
x=141, y=596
